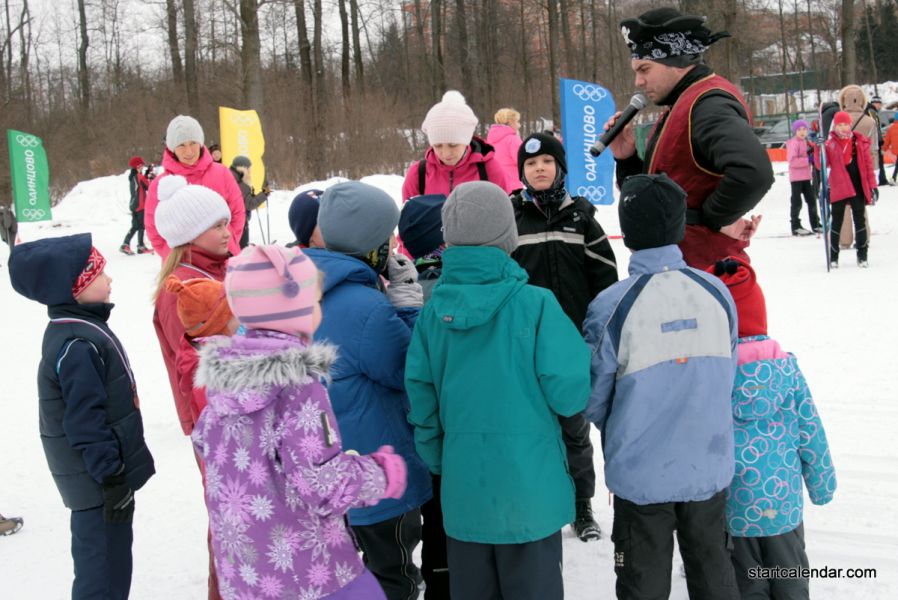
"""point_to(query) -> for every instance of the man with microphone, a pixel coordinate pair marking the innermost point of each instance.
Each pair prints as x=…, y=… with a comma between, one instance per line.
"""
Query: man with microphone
x=703, y=140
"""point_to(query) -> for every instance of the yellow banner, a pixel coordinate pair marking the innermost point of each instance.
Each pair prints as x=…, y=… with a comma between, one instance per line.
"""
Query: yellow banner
x=241, y=135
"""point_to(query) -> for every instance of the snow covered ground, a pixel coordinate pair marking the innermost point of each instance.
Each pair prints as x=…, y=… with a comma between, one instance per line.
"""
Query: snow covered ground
x=838, y=325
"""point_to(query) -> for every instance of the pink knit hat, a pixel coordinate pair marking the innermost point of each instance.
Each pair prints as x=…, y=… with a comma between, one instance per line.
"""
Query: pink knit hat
x=276, y=288
x=450, y=121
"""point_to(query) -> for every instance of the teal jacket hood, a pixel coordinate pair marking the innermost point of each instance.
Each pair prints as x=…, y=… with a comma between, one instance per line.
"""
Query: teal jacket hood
x=477, y=281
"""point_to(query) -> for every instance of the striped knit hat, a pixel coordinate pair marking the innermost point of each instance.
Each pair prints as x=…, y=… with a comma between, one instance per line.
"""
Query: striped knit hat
x=275, y=288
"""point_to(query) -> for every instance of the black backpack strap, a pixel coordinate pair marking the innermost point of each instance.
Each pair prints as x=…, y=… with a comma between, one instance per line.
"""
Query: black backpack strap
x=481, y=168
x=422, y=174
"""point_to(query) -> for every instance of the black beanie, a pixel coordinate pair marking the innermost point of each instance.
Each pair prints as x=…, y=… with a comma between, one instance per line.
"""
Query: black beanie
x=421, y=224
x=652, y=211
x=540, y=143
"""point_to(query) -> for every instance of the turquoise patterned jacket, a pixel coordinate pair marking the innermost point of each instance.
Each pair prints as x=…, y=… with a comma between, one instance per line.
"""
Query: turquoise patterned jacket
x=780, y=441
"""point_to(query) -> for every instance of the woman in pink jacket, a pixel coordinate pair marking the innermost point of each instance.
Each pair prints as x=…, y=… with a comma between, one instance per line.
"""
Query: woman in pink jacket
x=455, y=154
x=186, y=155
x=505, y=138
x=799, y=154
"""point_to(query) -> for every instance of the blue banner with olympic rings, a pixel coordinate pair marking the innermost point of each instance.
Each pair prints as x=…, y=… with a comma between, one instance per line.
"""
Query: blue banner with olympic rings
x=584, y=109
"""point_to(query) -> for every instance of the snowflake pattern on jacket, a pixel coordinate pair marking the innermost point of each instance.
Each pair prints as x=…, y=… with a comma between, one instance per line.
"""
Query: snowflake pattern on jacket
x=278, y=483
x=779, y=441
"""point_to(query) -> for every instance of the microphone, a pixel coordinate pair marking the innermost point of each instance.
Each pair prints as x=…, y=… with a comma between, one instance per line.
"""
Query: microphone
x=637, y=103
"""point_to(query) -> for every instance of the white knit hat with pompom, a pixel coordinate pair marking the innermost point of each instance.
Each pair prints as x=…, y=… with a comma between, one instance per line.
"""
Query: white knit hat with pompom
x=450, y=121
x=186, y=211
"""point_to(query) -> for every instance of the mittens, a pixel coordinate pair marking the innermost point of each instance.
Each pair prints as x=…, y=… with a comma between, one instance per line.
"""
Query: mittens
x=404, y=290
x=394, y=470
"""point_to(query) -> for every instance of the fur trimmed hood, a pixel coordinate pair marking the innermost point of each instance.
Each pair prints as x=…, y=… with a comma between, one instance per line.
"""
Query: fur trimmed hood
x=233, y=366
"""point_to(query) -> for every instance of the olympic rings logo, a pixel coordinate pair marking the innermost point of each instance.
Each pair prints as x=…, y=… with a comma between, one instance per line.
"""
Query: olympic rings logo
x=27, y=141
x=33, y=214
x=593, y=193
x=243, y=120
x=589, y=92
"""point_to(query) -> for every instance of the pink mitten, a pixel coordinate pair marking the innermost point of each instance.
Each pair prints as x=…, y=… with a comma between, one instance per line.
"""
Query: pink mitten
x=394, y=469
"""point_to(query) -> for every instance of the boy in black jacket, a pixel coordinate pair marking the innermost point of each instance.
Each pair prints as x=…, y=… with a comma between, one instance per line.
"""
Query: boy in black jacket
x=563, y=248
x=90, y=423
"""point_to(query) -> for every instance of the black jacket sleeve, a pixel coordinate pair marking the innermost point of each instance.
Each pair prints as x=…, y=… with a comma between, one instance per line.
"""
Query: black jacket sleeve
x=626, y=167
x=80, y=376
x=723, y=142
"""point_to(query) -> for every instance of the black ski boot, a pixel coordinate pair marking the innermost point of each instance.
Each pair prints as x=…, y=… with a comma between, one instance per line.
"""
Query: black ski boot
x=584, y=524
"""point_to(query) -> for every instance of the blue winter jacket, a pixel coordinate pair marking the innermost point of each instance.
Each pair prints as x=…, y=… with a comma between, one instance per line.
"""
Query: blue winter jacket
x=367, y=389
x=664, y=350
x=779, y=440
x=89, y=420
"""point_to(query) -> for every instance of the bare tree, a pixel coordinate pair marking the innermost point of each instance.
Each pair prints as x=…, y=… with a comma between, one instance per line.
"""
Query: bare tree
x=849, y=54
x=570, y=60
x=464, y=50
x=83, y=72
x=190, y=49
x=171, y=14
x=552, y=6
x=344, y=53
x=24, y=57
x=436, y=29
x=357, y=46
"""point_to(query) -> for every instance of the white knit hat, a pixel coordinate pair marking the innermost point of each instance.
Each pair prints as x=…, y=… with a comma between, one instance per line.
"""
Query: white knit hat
x=183, y=129
x=450, y=121
x=186, y=211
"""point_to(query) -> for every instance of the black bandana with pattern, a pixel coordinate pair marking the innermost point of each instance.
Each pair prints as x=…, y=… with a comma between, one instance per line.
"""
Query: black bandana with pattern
x=664, y=33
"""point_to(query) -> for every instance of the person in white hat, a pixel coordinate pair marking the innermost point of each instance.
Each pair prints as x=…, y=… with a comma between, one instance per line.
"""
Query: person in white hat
x=186, y=155
x=455, y=154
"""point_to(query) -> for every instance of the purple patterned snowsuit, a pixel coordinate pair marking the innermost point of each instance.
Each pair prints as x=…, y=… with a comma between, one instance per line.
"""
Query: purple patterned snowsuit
x=278, y=483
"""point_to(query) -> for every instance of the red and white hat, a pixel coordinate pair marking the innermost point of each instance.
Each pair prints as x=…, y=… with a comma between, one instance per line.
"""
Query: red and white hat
x=95, y=264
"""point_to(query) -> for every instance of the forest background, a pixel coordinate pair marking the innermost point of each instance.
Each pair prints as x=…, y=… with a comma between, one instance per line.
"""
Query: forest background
x=343, y=85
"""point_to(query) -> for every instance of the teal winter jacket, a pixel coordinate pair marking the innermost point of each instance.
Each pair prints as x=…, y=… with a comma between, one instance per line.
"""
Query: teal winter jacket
x=492, y=363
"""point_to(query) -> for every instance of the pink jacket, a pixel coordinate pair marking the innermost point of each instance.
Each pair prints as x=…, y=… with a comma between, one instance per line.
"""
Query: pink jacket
x=840, y=186
x=442, y=179
x=204, y=172
x=797, y=157
x=506, y=141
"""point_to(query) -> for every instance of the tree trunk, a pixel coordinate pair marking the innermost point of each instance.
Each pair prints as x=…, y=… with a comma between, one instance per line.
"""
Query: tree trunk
x=83, y=73
x=814, y=53
x=190, y=44
x=525, y=60
x=731, y=45
x=320, y=156
x=553, y=62
x=24, y=56
x=464, y=50
x=424, y=75
x=848, y=69
x=177, y=69
x=251, y=56
x=785, y=66
x=357, y=46
x=870, y=49
x=436, y=29
x=799, y=60
x=305, y=48
x=570, y=57
x=613, y=43
x=344, y=53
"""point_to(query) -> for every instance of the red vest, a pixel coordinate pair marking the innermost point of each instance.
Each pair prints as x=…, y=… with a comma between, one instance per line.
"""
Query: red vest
x=673, y=155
